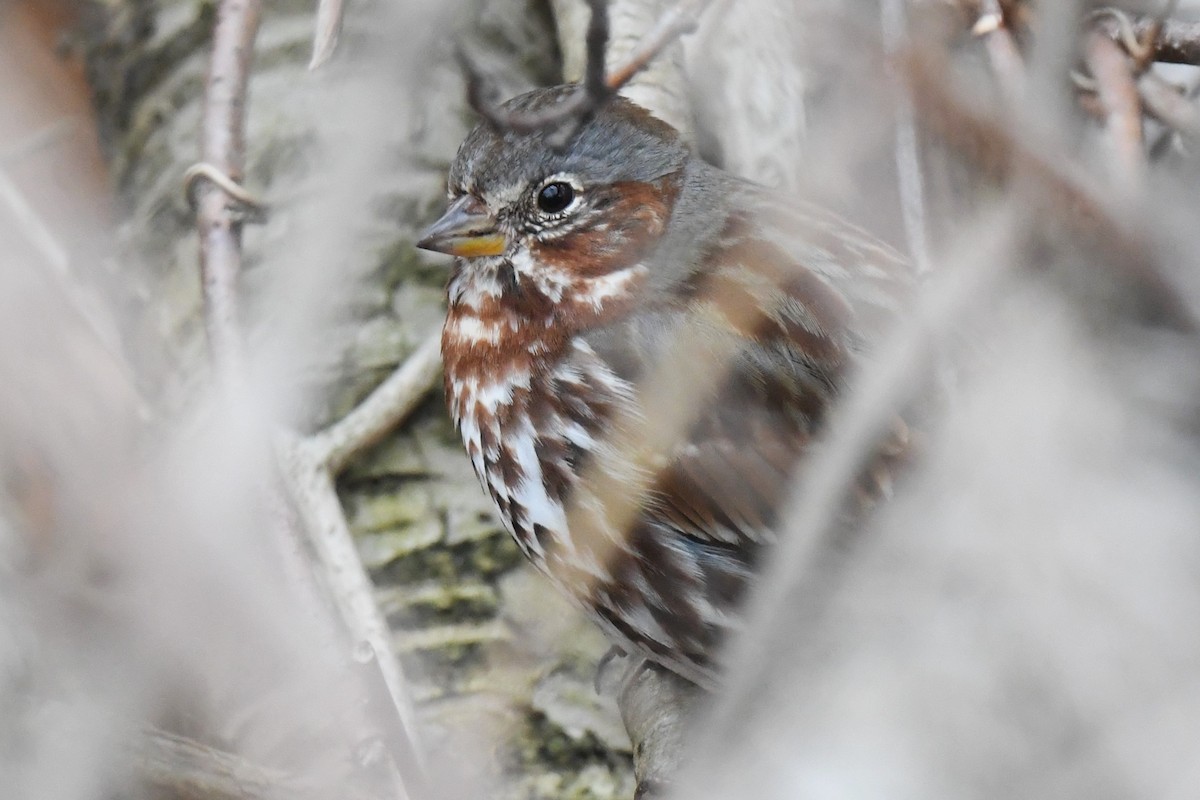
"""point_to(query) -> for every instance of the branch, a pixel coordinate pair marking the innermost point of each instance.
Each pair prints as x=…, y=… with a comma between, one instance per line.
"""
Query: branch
x=1171, y=41
x=182, y=767
x=329, y=28
x=382, y=410
x=310, y=485
x=678, y=20
x=309, y=467
x=658, y=708
x=1170, y=106
x=596, y=89
x=993, y=148
x=1118, y=93
x=911, y=179
x=223, y=146
x=185, y=768
x=1003, y=53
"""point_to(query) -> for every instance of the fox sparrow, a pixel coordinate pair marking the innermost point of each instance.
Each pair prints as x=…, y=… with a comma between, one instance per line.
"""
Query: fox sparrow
x=600, y=278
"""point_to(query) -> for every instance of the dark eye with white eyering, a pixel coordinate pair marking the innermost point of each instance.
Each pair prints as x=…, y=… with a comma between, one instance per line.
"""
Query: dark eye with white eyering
x=555, y=197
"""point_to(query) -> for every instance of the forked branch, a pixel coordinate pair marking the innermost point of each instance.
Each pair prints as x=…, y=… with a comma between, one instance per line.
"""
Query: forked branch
x=598, y=86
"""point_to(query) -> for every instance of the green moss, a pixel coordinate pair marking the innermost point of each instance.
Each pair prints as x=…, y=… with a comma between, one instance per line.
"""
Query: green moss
x=439, y=604
x=407, y=505
x=424, y=565
x=485, y=558
x=460, y=647
x=543, y=743
x=395, y=457
x=382, y=548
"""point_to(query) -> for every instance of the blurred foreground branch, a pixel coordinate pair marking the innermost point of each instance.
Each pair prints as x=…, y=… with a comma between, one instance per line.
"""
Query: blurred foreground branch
x=306, y=466
x=1064, y=189
x=186, y=768
x=1168, y=40
x=328, y=29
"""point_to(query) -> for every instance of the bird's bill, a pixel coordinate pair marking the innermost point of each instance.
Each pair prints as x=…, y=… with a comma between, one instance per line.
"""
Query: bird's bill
x=466, y=230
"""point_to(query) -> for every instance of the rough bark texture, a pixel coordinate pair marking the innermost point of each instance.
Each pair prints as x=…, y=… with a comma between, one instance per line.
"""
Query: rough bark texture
x=486, y=642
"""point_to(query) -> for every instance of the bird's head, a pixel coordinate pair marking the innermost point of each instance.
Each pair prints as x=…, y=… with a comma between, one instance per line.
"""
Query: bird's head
x=525, y=214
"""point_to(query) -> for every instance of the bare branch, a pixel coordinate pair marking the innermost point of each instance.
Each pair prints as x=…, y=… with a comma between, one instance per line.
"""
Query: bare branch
x=596, y=89
x=678, y=20
x=1170, y=40
x=658, y=708
x=383, y=409
x=894, y=22
x=58, y=262
x=1079, y=205
x=223, y=146
x=591, y=94
x=184, y=767
x=329, y=28
x=1118, y=93
x=310, y=484
x=1002, y=49
x=1170, y=106
x=45, y=137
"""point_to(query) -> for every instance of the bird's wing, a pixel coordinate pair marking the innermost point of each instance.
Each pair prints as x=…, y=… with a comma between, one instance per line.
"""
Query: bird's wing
x=748, y=358
x=798, y=297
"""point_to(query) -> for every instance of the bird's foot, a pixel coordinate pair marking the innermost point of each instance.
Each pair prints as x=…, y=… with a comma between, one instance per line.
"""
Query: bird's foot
x=604, y=667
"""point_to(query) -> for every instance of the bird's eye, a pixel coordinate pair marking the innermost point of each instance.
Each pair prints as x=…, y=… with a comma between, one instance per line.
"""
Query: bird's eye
x=555, y=197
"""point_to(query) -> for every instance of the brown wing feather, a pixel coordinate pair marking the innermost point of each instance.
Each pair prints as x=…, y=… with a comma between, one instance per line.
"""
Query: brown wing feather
x=801, y=296
x=801, y=329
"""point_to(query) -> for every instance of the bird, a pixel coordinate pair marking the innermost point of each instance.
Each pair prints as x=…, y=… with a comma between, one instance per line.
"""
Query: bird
x=639, y=351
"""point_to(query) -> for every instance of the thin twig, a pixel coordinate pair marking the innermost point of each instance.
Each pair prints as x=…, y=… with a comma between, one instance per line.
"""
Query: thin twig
x=810, y=518
x=223, y=146
x=1170, y=106
x=310, y=484
x=329, y=28
x=309, y=467
x=251, y=206
x=184, y=767
x=678, y=20
x=382, y=410
x=596, y=89
x=994, y=148
x=181, y=767
x=911, y=179
x=591, y=94
x=1177, y=42
x=1002, y=50
x=1118, y=93
x=58, y=263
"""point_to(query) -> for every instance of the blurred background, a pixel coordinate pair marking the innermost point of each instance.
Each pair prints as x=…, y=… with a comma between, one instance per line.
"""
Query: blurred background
x=1018, y=620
